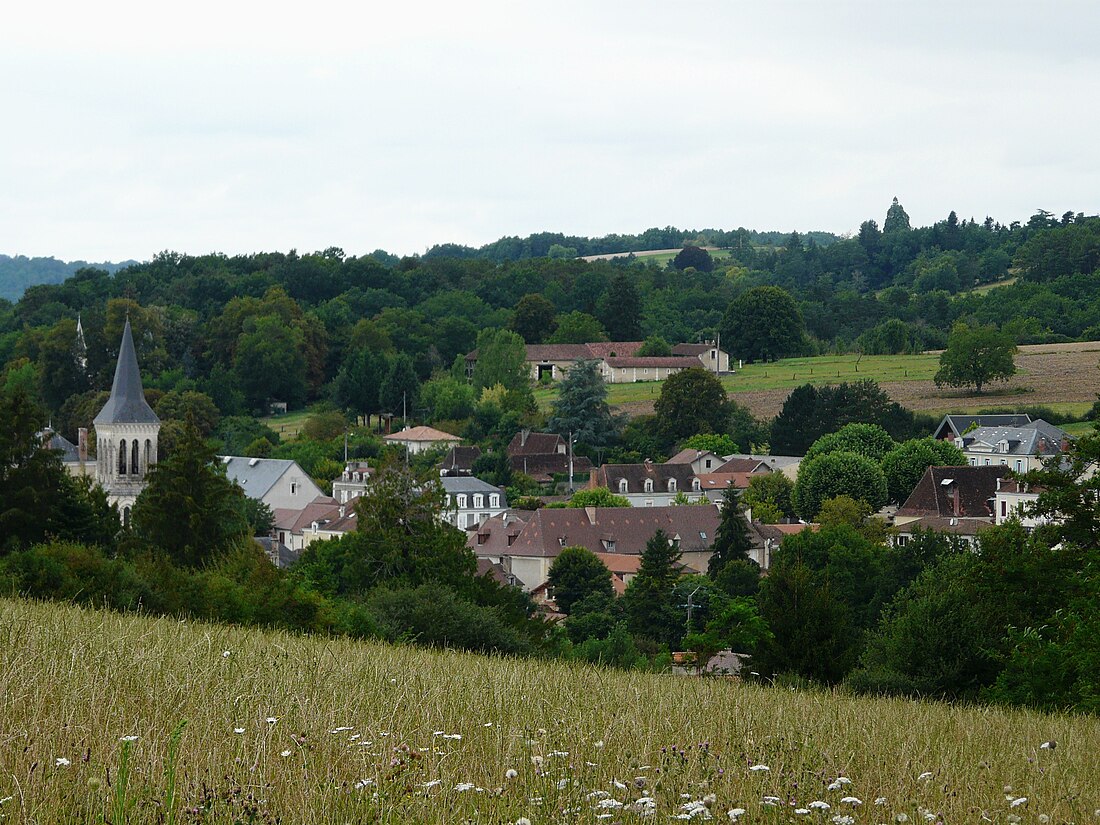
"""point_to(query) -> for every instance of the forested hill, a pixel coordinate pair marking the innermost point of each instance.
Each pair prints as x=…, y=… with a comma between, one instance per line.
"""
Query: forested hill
x=19, y=272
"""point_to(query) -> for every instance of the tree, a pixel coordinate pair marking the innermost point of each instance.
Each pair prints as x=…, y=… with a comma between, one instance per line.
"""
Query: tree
x=763, y=324
x=576, y=574
x=581, y=407
x=833, y=474
x=447, y=398
x=897, y=220
x=358, y=384
x=738, y=627
x=533, y=318
x=597, y=497
x=692, y=401
x=718, y=443
x=621, y=309
x=648, y=600
x=501, y=359
x=868, y=440
x=904, y=465
x=654, y=346
x=400, y=388
x=732, y=541
x=976, y=355
x=189, y=510
x=577, y=328
x=773, y=489
x=270, y=363
x=695, y=257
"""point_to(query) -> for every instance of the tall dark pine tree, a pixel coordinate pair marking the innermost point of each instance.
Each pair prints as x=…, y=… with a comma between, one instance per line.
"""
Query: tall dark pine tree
x=732, y=541
x=649, y=604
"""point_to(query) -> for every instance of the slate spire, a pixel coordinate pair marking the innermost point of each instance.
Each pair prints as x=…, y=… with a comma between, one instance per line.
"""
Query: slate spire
x=127, y=404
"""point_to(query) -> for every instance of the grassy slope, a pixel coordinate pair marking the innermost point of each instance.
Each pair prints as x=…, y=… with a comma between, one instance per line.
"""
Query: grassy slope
x=73, y=682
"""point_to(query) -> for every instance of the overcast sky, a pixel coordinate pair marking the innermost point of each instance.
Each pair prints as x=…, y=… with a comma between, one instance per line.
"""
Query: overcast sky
x=219, y=126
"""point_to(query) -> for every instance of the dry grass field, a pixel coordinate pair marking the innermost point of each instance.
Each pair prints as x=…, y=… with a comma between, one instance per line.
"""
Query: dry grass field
x=282, y=728
x=1059, y=375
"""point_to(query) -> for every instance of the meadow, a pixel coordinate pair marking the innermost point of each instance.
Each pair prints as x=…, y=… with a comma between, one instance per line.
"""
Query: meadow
x=112, y=718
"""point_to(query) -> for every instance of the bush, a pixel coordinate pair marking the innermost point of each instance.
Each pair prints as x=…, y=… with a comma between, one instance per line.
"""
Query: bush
x=835, y=474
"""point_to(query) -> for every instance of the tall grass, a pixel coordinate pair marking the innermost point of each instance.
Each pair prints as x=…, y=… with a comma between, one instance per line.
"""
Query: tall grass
x=324, y=731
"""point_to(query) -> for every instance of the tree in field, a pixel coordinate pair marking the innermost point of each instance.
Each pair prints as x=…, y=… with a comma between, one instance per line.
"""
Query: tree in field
x=581, y=407
x=190, y=511
x=534, y=318
x=577, y=328
x=576, y=574
x=621, y=309
x=763, y=324
x=897, y=219
x=904, y=465
x=501, y=359
x=976, y=355
x=868, y=440
x=692, y=401
x=695, y=257
x=650, y=608
x=834, y=474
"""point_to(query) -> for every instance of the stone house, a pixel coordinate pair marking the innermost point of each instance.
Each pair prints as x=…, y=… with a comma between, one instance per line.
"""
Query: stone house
x=648, y=484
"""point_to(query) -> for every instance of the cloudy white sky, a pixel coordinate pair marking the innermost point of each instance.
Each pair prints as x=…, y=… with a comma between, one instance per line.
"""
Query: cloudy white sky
x=233, y=127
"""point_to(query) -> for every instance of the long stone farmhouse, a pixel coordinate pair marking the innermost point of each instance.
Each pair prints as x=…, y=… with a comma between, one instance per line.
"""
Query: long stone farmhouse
x=618, y=361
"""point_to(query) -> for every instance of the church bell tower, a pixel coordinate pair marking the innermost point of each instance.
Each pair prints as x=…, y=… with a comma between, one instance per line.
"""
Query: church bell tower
x=126, y=431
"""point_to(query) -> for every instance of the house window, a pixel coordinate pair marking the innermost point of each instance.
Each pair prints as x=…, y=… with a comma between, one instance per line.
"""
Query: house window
x=649, y=502
x=1019, y=465
x=901, y=541
x=973, y=462
x=482, y=538
x=649, y=485
x=987, y=462
x=282, y=537
x=494, y=501
x=511, y=540
x=462, y=502
x=707, y=464
x=462, y=521
x=695, y=485
x=622, y=485
x=645, y=371
x=294, y=488
x=1004, y=462
x=672, y=485
x=1004, y=508
x=703, y=535
x=479, y=501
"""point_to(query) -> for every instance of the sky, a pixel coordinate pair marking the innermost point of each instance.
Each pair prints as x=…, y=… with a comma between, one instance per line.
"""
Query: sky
x=131, y=128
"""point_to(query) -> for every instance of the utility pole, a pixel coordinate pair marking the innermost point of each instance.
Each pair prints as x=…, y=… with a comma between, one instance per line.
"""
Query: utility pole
x=571, y=487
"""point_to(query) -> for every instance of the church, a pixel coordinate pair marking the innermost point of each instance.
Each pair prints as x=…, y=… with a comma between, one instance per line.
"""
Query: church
x=126, y=431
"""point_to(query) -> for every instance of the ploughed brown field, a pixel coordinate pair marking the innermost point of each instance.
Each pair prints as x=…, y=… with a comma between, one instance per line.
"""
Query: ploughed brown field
x=1047, y=374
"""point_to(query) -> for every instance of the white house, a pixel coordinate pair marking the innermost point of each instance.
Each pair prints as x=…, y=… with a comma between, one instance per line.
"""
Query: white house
x=470, y=501
x=420, y=439
x=1013, y=499
x=1021, y=449
x=278, y=482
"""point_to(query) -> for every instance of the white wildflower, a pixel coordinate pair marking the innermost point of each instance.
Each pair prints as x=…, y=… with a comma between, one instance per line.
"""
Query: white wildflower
x=843, y=820
x=818, y=805
x=801, y=811
x=226, y=654
x=843, y=780
x=609, y=803
x=455, y=736
x=271, y=720
x=834, y=786
x=487, y=725
x=1043, y=819
x=464, y=786
x=431, y=784
x=598, y=744
x=510, y=773
x=924, y=777
x=61, y=762
x=734, y=813
x=851, y=800
x=363, y=783
x=1016, y=803
x=285, y=753
x=130, y=738
x=901, y=818
x=558, y=754
x=759, y=768
x=1013, y=819
x=1048, y=746
x=772, y=800
x=523, y=821
x=563, y=784
x=536, y=761
x=621, y=786
x=880, y=800
x=238, y=731
x=341, y=729
x=598, y=795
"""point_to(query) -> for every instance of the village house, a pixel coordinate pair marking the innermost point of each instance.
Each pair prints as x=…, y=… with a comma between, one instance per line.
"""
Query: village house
x=352, y=483
x=471, y=501
x=421, y=439
x=1021, y=448
x=1013, y=500
x=459, y=461
x=526, y=547
x=956, y=500
x=278, y=482
x=955, y=426
x=542, y=456
x=648, y=484
x=618, y=360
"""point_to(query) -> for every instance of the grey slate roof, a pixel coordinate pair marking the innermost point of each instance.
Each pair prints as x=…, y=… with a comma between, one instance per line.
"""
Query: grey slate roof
x=127, y=404
x=1037, y=438
x=954, y=426
x=255, y=475
x=69, y=452
x=467, y=484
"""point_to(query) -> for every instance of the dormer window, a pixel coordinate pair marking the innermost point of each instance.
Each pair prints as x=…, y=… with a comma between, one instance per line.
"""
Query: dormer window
x=1002, y=446
x=461, y=502
x=478, y=501
x=672, y=485
x=622, y=485
x=695, y=486
x=649, y=485
x=494, y=500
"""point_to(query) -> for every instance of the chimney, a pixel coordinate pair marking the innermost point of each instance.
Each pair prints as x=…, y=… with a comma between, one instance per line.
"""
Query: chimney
x=1065, y=445
x=955, y=498
x=342, y=510
x=82, y=444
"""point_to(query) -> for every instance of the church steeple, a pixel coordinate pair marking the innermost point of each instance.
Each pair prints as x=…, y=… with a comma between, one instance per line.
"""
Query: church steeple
x=127, y=404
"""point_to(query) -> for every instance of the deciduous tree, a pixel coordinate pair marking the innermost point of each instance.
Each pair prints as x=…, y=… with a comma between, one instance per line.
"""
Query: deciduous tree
x=976, y=355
